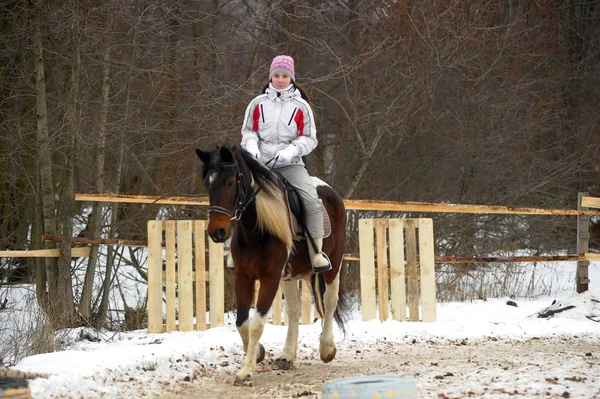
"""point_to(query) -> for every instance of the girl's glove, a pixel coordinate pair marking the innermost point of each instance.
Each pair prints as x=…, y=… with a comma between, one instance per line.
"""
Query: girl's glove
x=287, y=154
x=252, y=148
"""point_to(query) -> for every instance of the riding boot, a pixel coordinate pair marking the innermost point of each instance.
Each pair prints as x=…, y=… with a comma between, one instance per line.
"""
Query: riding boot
x=319, y=261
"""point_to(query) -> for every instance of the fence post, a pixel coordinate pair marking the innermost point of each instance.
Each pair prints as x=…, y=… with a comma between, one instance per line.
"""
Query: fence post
x=583, y=239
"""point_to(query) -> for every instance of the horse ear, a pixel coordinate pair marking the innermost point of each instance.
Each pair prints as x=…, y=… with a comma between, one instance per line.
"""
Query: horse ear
x=203, y=155
x=226, y=155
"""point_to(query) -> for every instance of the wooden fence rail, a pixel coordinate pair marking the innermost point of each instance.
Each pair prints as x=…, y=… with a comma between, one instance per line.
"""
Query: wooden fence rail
x=364, y=205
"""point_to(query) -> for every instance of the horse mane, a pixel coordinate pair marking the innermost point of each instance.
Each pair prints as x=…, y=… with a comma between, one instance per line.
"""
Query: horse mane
x=271, y=206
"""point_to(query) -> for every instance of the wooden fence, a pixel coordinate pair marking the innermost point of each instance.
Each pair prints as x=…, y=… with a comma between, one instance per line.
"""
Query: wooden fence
x=177, y=275
x=178, y=279
x=408, y=241
x=184, y=273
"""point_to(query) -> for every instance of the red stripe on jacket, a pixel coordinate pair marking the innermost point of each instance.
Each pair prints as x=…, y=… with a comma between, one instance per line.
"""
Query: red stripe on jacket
x=299, y=119
x=255, y=118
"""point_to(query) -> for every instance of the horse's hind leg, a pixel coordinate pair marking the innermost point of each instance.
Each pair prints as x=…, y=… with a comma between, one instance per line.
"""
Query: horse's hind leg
x=327, y=348
x=292, y=308
x=253, y=329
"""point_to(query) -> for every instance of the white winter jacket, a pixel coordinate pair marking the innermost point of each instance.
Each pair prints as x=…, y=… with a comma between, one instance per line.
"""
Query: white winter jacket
x=277, y=119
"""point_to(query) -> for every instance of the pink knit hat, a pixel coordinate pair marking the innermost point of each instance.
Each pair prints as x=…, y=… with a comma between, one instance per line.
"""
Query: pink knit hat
x=284, y=64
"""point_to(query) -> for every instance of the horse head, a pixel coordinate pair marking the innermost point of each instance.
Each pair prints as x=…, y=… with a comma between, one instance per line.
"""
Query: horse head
x=222, y=178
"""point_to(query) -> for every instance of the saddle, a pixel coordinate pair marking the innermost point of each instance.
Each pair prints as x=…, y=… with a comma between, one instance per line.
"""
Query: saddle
x=298, y=216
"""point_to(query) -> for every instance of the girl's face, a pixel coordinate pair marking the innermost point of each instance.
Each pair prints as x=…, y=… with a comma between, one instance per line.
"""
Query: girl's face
x=281, y=80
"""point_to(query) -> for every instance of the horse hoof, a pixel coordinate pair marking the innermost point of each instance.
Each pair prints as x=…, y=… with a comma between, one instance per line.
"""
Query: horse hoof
x=242, y=381
x=282, y=364
x=261, y=353
x=329, y=357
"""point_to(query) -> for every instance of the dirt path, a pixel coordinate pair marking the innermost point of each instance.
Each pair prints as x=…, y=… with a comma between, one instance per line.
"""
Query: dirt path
x=493, y=369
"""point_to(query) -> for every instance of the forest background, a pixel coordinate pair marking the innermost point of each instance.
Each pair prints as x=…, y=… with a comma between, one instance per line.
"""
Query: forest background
x=473, y=102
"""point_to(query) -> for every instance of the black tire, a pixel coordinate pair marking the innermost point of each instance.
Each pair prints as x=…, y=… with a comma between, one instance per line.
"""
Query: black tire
x=12, y=383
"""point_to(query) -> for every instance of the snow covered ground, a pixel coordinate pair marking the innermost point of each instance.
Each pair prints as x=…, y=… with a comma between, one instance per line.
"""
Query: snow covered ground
x=137, y=364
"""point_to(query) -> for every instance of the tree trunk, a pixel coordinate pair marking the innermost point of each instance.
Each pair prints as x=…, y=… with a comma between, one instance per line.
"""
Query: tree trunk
x=103, y=308
x=65, y=286
x=44, y=154
x=96, y=216
x=40, y=265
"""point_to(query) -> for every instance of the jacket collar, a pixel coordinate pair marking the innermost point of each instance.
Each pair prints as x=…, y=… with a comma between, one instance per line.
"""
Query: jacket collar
x=286, y=94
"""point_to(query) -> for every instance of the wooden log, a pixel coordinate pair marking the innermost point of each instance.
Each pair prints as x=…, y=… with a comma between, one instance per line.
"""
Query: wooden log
x=76, y=252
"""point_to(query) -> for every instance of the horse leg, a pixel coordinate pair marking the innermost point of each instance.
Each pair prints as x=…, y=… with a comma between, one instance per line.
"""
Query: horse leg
x=292, y=308
x=327, y=348
x=253, y=329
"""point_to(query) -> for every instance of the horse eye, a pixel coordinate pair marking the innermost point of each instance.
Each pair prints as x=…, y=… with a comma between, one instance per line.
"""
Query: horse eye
x=230, y=183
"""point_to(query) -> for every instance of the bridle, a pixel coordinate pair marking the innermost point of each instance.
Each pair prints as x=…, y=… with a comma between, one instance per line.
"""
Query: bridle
x=241, y=199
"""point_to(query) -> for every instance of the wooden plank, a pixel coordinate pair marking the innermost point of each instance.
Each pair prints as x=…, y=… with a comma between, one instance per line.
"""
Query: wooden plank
x=589, y=202
x=141, y=199
x=397, y=274
x=305, y=310
x=427, y=266
x=492, y=259
x=98, y=241
x=277, y=307
x=200, y=273
x=411, y=270
x=367, y=269
x=382, y=268
x=216, y=285
x=155, y=323
x=185, y=296
x=170, y=275
x=392, y=206
x=76, y=252
x=583, y=243
x=366, y=205
x=594, y=257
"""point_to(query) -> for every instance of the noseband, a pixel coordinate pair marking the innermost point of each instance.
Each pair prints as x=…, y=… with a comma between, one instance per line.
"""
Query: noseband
x=241, y=200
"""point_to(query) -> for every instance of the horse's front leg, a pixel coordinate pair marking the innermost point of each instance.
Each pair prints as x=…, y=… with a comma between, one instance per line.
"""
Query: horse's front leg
x=327, y=348
x=292, y=308
x=251, y=329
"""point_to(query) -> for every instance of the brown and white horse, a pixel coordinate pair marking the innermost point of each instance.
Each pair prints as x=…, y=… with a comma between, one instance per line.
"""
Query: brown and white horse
x=248, y=205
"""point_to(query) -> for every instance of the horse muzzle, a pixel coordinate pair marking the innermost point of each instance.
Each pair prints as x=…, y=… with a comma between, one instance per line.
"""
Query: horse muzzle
x=219, y=236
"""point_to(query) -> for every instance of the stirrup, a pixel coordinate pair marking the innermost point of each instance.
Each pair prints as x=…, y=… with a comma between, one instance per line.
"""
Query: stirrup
x=321, y=269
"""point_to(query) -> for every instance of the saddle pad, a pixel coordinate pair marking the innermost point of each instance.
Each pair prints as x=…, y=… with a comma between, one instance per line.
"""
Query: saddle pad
x=297, y=228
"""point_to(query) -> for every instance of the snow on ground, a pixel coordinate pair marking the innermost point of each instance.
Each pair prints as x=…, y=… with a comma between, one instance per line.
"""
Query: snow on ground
x=106, y=368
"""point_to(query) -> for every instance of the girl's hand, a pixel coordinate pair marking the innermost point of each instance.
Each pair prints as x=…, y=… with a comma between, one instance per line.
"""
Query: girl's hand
x=287, y=154
x=252, y=148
